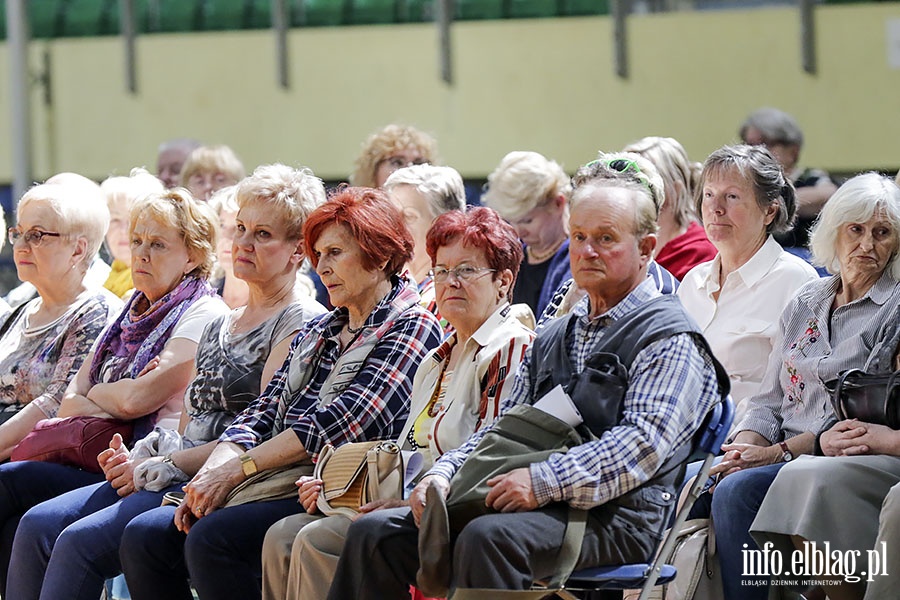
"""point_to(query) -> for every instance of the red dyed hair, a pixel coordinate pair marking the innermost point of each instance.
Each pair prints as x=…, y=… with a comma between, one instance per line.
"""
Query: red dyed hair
x=482, y=228
x=375, y=222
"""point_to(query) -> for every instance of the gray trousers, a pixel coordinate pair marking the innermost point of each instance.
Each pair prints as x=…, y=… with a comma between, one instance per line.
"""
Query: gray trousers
x=496, y=551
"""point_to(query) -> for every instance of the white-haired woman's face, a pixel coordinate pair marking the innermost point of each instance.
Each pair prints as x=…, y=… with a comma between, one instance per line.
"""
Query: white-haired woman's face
x=865, y=249
x=47, y=257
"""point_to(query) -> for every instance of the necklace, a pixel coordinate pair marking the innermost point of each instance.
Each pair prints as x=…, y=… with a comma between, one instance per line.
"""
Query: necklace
x=355, y=331
x=539, y=258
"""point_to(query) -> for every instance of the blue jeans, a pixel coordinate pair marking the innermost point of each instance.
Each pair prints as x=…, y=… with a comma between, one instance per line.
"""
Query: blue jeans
x=23, y=485
x=76, y=537
x=221, y=555
x=735, y=502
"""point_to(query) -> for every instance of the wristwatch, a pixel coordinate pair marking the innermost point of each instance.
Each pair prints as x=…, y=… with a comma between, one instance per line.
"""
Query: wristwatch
x=787, y=455
x=248, y=465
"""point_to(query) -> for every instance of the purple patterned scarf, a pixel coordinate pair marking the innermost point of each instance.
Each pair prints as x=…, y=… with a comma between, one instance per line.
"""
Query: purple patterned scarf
x=128, y=344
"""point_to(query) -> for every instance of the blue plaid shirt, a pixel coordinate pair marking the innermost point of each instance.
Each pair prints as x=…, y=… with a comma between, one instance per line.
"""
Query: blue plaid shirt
x=374, y=405
x=671, y=386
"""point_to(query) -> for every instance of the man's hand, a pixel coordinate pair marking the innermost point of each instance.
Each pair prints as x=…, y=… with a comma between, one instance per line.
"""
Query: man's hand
x=511, y=492
x=417, y=497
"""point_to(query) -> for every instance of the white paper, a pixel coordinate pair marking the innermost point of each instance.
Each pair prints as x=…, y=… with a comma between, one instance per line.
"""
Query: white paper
x=413, y=462
x=557, y=403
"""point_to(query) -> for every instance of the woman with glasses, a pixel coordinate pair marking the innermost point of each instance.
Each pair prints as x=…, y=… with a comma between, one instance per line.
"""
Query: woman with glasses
x=59, y=229
x=390, y=149
x=475, y=257
x=529, y=190
x=209, y=169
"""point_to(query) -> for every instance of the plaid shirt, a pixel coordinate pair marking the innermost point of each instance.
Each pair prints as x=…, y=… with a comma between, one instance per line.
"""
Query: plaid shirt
x=374, y=405
x=671, y=386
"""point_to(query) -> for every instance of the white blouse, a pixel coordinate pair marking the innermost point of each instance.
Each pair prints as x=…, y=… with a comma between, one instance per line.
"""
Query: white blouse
x=741, y=327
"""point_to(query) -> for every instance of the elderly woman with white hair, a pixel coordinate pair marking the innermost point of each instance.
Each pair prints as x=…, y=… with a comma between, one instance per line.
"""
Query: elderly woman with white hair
x=831, y=325
x=59, y=229
x=529, y=190
x=423, y=193
x=838, y=499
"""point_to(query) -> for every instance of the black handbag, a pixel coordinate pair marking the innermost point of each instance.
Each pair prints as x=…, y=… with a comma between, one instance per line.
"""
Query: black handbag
x=871, y=398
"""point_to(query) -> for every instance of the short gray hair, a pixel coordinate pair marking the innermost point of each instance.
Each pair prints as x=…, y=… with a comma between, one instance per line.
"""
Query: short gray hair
x=857, y=201
x=775, y=126
x=617, y=170
x=138, y=184
x=763, y=172
x=521, y=182
x=80, y=205
x=292, y=194
x=442, y=187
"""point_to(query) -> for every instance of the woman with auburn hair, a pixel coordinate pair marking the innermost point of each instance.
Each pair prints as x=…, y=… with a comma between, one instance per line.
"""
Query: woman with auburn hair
x=475, y=258
x=392, y=148
x=347, y=378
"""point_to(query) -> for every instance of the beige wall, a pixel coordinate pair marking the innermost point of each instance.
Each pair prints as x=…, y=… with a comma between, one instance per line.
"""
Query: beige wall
x=546, y=85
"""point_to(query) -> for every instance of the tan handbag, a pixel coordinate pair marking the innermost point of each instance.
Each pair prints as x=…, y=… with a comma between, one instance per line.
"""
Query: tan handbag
x=357, y=473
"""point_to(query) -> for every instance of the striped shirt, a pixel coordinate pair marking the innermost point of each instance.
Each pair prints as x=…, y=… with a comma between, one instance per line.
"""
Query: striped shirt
x=671, y=386
x=375, y=403
x=813, y=346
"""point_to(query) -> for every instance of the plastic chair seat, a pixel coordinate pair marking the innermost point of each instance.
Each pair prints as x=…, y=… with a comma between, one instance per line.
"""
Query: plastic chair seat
x=616, y=577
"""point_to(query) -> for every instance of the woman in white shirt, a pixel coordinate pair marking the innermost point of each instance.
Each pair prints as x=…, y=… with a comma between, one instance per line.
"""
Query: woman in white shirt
x=737, y=298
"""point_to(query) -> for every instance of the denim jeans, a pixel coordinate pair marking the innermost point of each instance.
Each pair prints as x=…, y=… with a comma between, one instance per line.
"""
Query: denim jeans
x=25, y=484
x=221, y=555
x=76, y=537
x=735, y=502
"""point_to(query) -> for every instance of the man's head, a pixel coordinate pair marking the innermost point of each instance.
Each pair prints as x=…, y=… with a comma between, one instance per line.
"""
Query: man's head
x=612, y=223
x=777, y=131
x=170, y=158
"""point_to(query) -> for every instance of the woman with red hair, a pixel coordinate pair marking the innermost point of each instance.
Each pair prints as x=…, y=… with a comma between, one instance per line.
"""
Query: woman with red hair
x=347, y=378
x=475, y=258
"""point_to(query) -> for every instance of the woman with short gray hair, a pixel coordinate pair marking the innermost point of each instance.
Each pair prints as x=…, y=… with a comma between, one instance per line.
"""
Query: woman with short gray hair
x=737, y=297
x=423, y=193
x=829, y=325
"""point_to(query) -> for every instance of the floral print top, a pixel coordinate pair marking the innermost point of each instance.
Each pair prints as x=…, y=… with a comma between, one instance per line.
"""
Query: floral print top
x=815, y=344
x=37, y=363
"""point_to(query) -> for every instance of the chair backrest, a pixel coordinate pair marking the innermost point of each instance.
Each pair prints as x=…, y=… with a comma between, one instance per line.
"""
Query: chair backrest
x=712, y=434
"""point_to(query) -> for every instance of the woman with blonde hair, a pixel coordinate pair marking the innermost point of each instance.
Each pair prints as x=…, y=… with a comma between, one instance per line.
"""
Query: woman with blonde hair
x=392, y=148
x=121, y=193
x=529, y=190
x=67, y=546
x=682, y=241
x=210, y=168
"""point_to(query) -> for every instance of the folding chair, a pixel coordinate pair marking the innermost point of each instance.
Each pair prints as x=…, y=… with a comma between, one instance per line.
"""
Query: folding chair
x=601, y=582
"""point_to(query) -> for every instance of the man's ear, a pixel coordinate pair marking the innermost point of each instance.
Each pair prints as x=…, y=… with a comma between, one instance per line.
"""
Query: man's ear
x=647, y=245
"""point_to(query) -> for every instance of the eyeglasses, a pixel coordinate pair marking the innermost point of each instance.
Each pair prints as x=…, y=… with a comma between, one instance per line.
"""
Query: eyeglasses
x=399, y=162
x=462, y=273
x=32, y=237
